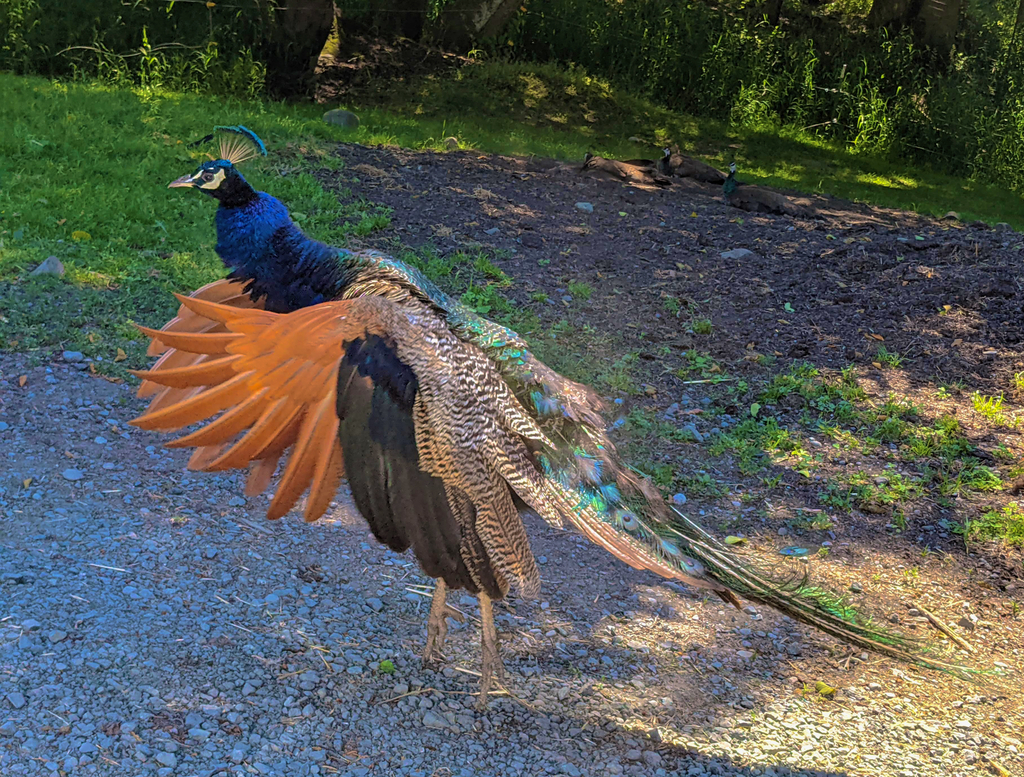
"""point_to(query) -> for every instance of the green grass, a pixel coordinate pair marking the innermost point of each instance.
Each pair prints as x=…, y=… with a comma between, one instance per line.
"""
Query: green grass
x=1005, y=525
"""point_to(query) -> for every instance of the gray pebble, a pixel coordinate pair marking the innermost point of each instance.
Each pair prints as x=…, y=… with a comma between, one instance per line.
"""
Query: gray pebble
x=72, y=474
x=50, y=266
x=375, y=604
x=16, y=700
x=652, y=758
x=169, y=760
x=432, y=720
x=586, y=207
x=738, y=253
x=73, y=356
x=342, y=118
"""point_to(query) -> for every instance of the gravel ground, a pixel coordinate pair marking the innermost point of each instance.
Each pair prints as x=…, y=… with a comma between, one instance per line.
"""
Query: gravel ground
x=154, y=623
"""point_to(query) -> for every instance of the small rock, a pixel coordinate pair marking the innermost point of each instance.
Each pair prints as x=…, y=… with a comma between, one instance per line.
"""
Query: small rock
x=16, y=700
x=451, y=143
x=531, y=240
x=679, y=499
x=72, y=474
x=1002, y=226
x=56, y=636
x=856, y=588
x=692, y=429
x=963, y=724
x=375, y=604
x=738, y=253
x=342, y=118
x=586, y=207
x=492, y=231
x=236, y=501
x=965, y=623
x=50, y=266
x=951, y=216
x=432, y=720
x=652, y=759
x=633, y=755
x=73, y=356
x=8, y=729
x=30, y=624
x=100, y=441
x=745, y=654
x=167, y=759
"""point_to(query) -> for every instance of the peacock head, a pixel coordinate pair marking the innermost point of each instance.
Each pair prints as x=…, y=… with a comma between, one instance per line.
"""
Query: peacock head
x=219, y=177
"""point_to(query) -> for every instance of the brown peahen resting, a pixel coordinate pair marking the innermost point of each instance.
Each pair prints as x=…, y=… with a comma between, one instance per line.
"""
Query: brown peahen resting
x=638, y=172
x=445, y=425
x=682, y=166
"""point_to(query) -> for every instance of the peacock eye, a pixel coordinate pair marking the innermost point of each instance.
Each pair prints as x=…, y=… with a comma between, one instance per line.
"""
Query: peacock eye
x=207, y=176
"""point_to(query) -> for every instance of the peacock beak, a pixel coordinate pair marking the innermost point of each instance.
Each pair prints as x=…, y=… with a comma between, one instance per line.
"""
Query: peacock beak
x=180, y=183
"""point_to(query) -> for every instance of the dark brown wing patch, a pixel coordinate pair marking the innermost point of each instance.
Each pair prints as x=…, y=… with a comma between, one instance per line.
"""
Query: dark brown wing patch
x=405, y=506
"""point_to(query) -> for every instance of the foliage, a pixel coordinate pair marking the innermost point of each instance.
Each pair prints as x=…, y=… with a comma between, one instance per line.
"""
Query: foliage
x=183, y=46
x=878, y=92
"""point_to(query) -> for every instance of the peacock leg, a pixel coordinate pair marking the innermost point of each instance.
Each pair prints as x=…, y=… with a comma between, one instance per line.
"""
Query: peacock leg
x=490, y=663
x=437, y=622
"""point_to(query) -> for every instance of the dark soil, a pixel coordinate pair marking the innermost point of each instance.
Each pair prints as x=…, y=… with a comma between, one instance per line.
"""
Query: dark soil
x=829, y=290
x=852, y=272
x=370, y=67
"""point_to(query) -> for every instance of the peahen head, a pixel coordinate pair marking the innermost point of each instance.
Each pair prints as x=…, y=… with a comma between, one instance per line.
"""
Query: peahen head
x=220, y=178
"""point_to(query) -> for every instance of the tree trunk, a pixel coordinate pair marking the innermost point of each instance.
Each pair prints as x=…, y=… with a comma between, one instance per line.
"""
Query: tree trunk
x=300, y=30
x=1018, y=25
x=940, y=20
x=935, y=22
x=466, y=21
x=892, y=13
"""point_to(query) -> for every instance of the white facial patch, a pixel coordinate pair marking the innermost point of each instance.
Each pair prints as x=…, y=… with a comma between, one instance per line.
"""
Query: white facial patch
x=218, y=178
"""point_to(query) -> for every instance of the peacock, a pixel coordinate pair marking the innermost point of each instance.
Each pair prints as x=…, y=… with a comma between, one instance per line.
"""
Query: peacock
x=445, y=425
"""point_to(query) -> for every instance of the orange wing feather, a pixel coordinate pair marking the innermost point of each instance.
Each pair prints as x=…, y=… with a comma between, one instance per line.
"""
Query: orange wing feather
x=269, y=382
x=223, y=292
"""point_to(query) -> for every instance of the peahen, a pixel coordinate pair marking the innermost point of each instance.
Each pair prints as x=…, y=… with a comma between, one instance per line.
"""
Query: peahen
x=445, y=424
x=638, y=172
x=757, y=199
x=682, y=166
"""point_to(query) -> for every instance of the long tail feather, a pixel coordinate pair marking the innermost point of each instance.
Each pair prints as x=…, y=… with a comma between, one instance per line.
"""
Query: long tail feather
x=797, y=598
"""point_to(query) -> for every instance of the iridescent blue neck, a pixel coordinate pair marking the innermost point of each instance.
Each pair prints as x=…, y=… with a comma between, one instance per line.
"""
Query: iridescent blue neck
x=259, y=242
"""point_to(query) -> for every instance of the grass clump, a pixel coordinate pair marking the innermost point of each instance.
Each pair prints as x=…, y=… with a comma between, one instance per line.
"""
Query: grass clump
x=1004, y=525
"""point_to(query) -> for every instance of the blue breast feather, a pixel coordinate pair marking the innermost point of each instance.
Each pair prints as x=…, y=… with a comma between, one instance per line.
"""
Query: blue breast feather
x=261, y=243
